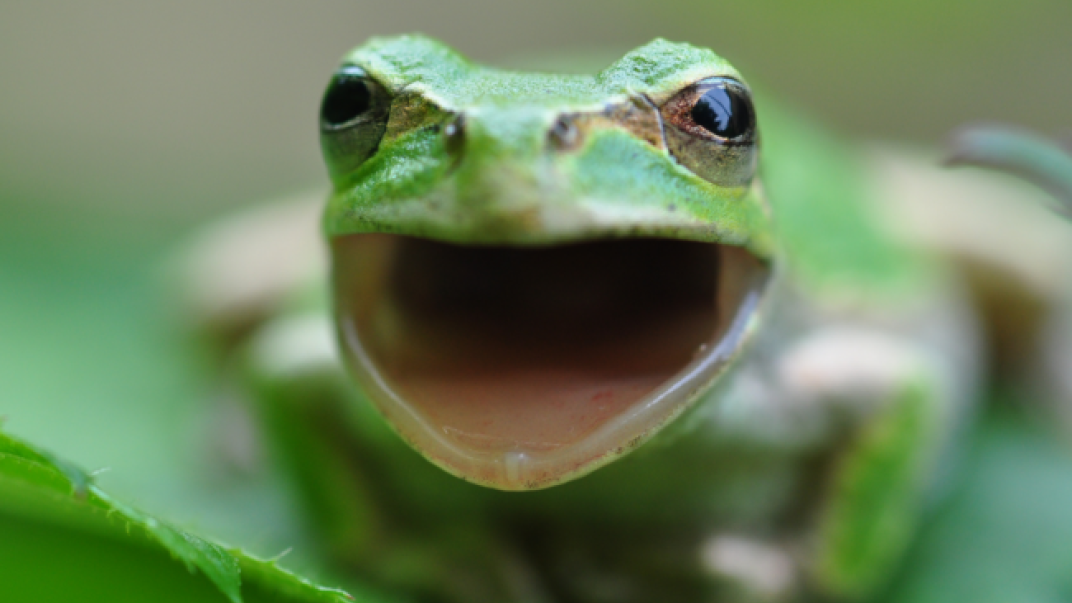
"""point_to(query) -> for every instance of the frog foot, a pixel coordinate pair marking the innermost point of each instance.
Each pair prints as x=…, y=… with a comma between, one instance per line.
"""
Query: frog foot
x=521, y=367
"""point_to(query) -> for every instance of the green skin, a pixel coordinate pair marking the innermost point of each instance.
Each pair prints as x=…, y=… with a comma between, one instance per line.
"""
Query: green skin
x=831, y=482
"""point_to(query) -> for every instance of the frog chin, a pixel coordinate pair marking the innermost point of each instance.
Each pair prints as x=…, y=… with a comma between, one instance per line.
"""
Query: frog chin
x=520, y=368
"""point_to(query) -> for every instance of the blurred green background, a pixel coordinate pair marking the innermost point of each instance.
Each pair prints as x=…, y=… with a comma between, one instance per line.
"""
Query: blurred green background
x=124, y=124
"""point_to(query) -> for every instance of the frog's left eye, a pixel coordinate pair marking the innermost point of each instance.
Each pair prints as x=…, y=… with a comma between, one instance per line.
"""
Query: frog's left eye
x=725, y=111
x=710, y=128
x=353, y=118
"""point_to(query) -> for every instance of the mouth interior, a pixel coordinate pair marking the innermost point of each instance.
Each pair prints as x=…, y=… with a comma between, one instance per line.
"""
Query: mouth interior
x=483, y=354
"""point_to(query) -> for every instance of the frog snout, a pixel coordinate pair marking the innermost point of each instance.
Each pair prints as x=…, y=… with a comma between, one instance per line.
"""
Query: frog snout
x=491, y=133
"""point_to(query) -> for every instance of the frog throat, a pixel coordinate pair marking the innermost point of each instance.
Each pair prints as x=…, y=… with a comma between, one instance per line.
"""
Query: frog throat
x=521, y=367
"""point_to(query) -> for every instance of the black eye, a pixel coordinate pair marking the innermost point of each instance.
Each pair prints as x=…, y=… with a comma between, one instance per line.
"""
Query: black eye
x=725, y=111
x=348, y=97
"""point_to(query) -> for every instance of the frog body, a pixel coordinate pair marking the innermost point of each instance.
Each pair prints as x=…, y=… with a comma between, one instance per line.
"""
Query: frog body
x=641, y=370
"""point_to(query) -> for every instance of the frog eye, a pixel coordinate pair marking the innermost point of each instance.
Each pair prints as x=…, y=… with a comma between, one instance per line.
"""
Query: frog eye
x=348, y=98
x=710, y=128
x=725, y=111
x=353, y=118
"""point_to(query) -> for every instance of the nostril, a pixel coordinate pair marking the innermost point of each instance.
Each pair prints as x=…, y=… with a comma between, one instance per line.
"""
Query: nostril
x=454, y=135
x=564, y=134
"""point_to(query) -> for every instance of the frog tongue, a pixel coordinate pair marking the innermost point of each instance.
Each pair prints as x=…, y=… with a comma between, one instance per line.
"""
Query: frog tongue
x=519, y=368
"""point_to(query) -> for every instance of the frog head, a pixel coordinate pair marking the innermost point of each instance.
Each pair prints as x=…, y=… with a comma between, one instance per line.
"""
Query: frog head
x=534, y=274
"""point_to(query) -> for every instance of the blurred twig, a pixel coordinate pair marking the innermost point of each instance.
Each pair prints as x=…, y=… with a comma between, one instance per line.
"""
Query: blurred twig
x=1040, y=161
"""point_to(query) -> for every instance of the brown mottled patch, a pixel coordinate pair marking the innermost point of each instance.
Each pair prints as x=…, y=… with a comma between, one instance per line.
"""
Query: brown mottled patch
x=678, y=112
x=636, y=116
x=639, y=117
x=410, y=111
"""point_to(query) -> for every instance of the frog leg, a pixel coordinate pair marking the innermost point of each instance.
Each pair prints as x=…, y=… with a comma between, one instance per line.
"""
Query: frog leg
x=294, y=370
x=885, y=392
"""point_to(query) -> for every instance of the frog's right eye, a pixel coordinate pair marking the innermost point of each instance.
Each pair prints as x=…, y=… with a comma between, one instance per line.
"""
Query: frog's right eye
x=351, y=96
x=353, y=118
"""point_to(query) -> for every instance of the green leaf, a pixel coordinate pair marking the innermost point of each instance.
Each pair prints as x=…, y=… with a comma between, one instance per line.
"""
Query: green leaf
x=1005, y=534
x=37, y=488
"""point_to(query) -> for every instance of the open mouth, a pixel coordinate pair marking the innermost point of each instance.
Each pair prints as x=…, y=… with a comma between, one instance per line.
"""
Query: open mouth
x=521, y=367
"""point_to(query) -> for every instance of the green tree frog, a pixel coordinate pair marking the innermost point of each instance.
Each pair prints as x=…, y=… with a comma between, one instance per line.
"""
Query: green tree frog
x=631, y=336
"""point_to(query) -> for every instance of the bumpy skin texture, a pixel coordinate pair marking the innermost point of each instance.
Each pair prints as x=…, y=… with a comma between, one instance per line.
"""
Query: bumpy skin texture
x=507, y=189
x=800, y=473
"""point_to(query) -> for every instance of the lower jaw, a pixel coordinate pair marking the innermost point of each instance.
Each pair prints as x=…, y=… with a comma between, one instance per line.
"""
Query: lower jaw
x=520, y=368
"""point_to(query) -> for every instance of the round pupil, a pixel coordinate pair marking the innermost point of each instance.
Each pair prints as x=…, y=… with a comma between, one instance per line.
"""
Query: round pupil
x=723, y=111
x=346, y=98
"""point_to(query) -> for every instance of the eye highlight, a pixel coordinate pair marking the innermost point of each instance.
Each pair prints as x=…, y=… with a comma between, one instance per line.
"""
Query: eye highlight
x=710, y=128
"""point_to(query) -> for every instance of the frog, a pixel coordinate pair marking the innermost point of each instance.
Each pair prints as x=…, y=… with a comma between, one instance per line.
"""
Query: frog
x=630, y=336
